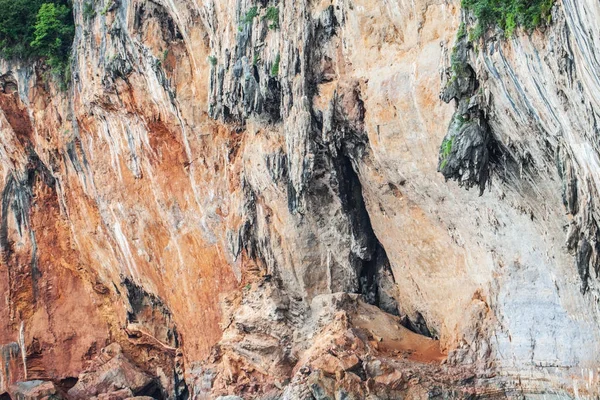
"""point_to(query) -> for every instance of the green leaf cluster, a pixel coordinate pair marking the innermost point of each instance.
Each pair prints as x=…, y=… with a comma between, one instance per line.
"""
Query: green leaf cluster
x=250, y=15
x=53, y=35
x=37, y=29
x=508, y=14
x=446, y=150
x=275, y=66
x=272, y=16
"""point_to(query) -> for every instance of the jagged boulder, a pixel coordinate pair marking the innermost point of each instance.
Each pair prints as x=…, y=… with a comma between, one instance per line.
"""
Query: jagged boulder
x=111, y=377
x=34, y=390
x=117, y=395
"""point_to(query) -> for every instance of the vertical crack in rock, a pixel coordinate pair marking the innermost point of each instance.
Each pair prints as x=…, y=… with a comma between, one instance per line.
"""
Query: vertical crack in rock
x=376, y=281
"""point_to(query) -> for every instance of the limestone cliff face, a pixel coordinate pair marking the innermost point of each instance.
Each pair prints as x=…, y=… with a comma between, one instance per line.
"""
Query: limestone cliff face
x=243, y=197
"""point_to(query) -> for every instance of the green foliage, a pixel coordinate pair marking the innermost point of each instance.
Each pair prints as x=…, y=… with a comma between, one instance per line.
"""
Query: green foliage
x=275, y=67
x=462, y=31
x=446, y=150
x=17, y=26
x=38, y=29
x=17, y=19
x=212, y=60
x=256, y=59
x=272, y=16
x=461, y=120
x=250, y=15
x=89, y=10
x=476, y=33
x=456, y=63
x=106, y=7
x=508, y=14
x=53, y=36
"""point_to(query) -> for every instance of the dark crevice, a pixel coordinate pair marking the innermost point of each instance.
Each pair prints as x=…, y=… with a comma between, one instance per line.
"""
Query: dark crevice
x=353, y=204
x=418, y=325
x=372, y=262
x=64, y=385
x=152, y=389
x=272, y=101
x=377, y=283
x=359, y=370
x=584, y=255
x=140, y=300
x=376, y=279
x=181, y=388
x=67, y=383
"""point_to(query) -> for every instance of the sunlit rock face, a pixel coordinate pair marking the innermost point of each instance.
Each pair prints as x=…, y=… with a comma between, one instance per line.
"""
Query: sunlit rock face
x=253, y=202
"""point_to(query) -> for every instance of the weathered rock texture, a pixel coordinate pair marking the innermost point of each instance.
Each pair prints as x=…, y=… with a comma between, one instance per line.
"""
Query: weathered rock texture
x=198, y=214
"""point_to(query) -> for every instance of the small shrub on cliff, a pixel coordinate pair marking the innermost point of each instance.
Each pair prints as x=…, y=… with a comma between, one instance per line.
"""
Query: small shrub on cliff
x=508, y=14
x=446, y=150
x=275, y=67
x=272, y=16
x=106, y=7
x=462, y=31
x=250, y=15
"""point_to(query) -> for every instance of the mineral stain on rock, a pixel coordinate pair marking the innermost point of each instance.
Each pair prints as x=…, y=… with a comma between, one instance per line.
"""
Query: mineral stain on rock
x=266, y=200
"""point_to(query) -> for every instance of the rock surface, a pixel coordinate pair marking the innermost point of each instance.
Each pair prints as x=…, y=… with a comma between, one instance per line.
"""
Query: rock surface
x=110, y=377
x=264, y=206
x=34, y=390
